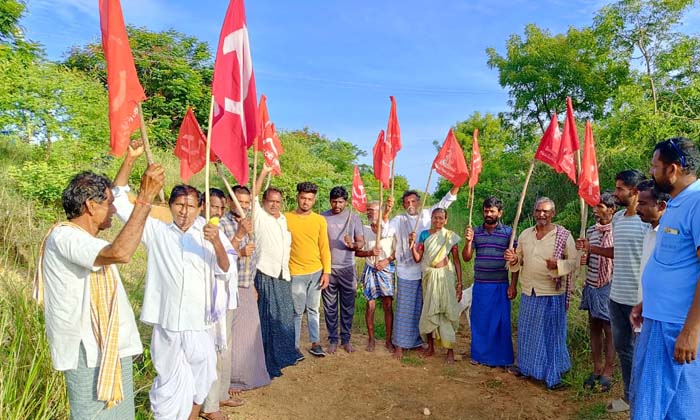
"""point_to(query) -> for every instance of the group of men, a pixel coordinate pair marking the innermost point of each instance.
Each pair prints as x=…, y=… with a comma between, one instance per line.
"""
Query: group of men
x=226, y=302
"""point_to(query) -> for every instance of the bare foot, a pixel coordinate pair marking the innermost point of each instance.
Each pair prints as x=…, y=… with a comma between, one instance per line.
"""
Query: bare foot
x=450, y=357
x=235, y=392
x=332, y=348
x=216, y=415
x=398, y=353
x=389, y=346
x=232, y=402
x=370, y=345
x=348, y=347
x=426, y=353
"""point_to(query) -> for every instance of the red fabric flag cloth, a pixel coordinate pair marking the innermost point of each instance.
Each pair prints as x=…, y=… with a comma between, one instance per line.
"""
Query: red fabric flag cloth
x=569, y=144
x=476, y=164
x=191, y=147
x=233, y=87
x=382, y=160
x=359, y=198
x=450, y=162
x=267, y=141
x=548, y=150
x=125, y=91
x=588, y=181
x=393, y=131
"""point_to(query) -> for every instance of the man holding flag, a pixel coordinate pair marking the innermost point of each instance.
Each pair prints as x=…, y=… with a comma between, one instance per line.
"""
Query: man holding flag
x=345, y=236
x=409, y=294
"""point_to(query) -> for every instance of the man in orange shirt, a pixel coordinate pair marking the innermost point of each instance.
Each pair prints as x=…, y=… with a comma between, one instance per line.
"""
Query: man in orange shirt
x=309, y=263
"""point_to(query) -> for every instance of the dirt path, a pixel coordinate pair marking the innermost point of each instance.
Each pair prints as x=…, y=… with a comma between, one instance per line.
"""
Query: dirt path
x=376, y=386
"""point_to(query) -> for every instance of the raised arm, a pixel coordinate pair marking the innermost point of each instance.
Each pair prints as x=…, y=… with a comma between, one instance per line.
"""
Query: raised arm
x=259, y=182
x=468, y=249
x=128, y=239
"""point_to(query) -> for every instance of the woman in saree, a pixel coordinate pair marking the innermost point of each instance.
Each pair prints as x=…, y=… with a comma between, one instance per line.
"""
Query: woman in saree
x=442, y=283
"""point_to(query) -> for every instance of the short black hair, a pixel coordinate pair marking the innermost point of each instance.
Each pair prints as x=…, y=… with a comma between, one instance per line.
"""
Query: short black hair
x=240, y=189
x=215, y=192
x=307, y=187
x=183, y=189
x=272, y=190
x=679, y=150
x=339, y=192
x=409, y=193
x=650, y=185
x=608, y=199
x=82, y=187
x=630, y=177
x=492, y=201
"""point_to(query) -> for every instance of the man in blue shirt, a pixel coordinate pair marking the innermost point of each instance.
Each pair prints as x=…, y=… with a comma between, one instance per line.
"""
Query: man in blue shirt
x=665, y=372
x=492, y=341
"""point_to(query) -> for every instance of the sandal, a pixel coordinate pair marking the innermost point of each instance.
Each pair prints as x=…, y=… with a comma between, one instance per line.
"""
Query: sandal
x=216, y=415
x=605, y=383
x=232, y=402
x=589, y=383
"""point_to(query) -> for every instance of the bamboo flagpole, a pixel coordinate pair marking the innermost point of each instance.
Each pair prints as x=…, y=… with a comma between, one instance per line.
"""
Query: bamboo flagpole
x=392, y=177
x=520, y=203
x=425, y=196
x=147, y=146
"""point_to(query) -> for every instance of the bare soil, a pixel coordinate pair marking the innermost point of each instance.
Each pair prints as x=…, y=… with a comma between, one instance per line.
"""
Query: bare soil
x=365, y=385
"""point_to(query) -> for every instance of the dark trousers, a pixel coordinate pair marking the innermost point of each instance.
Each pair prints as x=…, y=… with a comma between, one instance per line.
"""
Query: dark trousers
x=341, y=291
x=623, y=338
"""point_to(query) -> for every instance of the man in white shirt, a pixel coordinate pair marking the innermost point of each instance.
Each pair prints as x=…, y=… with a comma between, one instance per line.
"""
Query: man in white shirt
x=185, y=260
x=273, y=280
x=74, y=266
x=409, y=294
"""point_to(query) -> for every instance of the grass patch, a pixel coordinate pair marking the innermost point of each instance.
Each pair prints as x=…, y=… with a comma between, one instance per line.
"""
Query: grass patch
x=409, y=360
x=592, y=412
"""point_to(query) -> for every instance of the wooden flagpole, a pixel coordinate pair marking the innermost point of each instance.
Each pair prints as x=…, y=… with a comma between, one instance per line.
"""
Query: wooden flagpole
x=584, y=209
x=236, y=203
x=392, y=177
x=147, y=147
x=377, y=244
x=520, y=204
x=254, y=178
x=206, y=156
x=425, y=196
x=471, y=204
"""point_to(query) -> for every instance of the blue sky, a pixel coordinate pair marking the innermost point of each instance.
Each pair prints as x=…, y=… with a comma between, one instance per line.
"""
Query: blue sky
x=331, y=65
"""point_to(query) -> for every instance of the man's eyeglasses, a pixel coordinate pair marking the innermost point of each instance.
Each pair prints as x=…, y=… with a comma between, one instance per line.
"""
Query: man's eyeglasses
x=678, y=151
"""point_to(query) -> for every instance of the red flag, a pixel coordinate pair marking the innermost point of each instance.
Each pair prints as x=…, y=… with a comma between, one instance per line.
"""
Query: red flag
x=267, y=141
x=125, y=91
x=569, y=144
x=191, y=147
x=382, y=160
x=476, y=164
x=548, y=150
x=588, y=181
x=450, y=162
x=393, y=132
x=359, y=198
x=233, y=88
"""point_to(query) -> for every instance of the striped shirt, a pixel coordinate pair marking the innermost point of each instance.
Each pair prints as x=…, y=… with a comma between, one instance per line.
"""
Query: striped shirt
x=489, y=265
x=628, y=237
x=594, y=237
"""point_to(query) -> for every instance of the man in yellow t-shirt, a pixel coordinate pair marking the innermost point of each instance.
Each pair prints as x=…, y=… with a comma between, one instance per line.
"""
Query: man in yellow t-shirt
x=309, y=263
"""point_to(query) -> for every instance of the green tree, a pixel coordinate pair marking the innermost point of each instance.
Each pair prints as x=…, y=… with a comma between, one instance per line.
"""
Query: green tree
x=541, y=70
x=174, y=69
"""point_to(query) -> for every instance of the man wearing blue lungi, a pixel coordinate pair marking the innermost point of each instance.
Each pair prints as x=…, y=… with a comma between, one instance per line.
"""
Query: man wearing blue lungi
x=492, y=342
x=665, y=372
x=546, y=256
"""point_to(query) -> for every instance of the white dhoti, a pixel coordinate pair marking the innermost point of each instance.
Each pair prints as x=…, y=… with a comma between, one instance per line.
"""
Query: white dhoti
x=185, y=362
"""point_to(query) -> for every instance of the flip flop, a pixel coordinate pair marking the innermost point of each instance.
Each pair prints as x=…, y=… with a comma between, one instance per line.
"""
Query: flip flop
x=605, y=383
x=232, y=402
x=589, y=382
x=617, y=406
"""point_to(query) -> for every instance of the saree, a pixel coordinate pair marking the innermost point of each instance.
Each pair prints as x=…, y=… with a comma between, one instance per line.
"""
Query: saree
x=440, y=313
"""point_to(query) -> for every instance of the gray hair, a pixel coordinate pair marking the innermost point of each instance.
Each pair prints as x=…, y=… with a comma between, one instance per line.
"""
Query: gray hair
x=544, y=200
x=374, y=203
